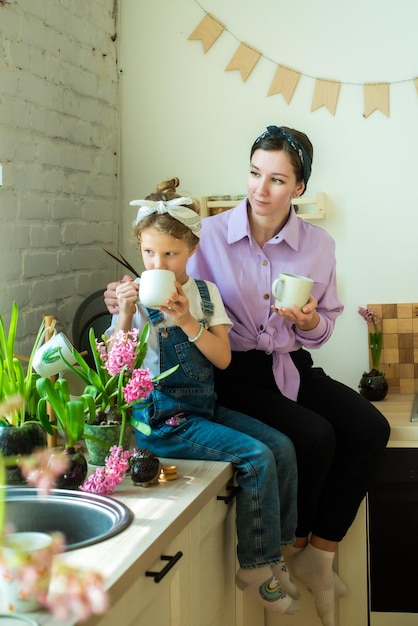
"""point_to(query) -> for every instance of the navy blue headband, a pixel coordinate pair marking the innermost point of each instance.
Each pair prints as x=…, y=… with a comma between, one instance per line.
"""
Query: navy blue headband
x=275, y=131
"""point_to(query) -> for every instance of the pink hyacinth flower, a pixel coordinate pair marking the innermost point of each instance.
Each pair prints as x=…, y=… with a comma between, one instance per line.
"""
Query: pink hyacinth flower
x=139, y=386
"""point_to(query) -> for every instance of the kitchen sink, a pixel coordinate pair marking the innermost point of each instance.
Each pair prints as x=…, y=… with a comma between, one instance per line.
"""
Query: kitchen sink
x=84, y=518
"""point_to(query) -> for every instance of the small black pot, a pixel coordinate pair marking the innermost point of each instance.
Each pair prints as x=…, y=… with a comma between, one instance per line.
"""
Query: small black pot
x=76, y=473
x=145, y=467
x=373, y=386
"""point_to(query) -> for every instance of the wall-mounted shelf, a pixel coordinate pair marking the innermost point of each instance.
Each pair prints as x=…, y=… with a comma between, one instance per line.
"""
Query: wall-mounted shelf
x=312, y=208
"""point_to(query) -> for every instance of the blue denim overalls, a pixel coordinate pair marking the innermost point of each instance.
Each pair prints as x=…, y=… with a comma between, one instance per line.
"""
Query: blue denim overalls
x=188, y=423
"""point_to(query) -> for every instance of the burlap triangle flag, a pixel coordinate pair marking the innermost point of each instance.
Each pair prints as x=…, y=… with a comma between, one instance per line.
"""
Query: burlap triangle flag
x=376, y=98
x=244, y=60
x=326, y=94
x=207, y=31
x=284, y=81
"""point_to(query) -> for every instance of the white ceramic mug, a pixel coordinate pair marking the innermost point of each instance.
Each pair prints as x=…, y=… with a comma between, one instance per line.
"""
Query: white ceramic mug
x=47, y=360
x=291, y=290
x=155, y=287
x=34, y=549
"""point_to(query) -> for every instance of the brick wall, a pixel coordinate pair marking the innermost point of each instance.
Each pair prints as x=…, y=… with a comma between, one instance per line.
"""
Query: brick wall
x=58, y=146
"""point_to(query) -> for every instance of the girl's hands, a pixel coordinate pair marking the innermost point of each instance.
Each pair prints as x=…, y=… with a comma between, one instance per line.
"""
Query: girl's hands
x=127, y=296
x=213, y=343
x=306, y=318
x=178, y=307
x=110, y=297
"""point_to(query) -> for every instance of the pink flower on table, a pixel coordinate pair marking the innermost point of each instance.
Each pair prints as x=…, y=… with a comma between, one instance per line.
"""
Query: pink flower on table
x=139, y=386
x=106, y=479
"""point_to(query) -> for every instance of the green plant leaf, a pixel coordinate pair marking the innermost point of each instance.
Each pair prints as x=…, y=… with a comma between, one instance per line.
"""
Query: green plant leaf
x=90, y=407
x=144, y=428
x=75, y=421
x=2, y=494
x=43, y=416
x=165, y=374
x=102, y=372
x=47, y=391
x=63, y=389
x=94, y=379
x=84, y=368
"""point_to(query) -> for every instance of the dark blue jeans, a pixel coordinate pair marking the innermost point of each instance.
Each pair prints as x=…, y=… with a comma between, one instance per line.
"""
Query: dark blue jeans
x=187, y=423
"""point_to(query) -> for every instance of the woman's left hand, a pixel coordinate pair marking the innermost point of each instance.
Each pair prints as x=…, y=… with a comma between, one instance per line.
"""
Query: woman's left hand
x=306, y=318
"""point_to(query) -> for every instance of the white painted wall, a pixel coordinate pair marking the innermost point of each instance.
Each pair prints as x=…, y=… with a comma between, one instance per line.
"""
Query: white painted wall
x=183, y=115
x=58, y=146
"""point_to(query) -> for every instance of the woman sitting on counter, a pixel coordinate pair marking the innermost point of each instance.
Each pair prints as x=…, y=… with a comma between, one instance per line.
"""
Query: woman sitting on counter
x=338, y=435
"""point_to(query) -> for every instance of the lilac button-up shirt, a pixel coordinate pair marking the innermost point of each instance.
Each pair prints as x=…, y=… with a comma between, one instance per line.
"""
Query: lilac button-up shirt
x=244, y=272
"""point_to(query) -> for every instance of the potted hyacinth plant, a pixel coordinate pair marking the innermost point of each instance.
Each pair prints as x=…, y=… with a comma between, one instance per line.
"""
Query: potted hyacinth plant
x=20, y=430
x=69, y=421
x=115, y=385
x=373, y=384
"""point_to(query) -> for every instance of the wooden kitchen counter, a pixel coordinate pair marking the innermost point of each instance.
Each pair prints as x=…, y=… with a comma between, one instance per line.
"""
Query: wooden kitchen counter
x=164, y=510
x=161, y=512
x=397, y=407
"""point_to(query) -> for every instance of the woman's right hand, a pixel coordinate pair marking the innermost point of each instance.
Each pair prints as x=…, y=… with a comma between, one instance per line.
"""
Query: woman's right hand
x=110, y=298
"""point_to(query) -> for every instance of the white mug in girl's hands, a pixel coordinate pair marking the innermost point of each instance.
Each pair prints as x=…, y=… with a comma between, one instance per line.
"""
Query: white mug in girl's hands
x=291, y=290
x=155, y=287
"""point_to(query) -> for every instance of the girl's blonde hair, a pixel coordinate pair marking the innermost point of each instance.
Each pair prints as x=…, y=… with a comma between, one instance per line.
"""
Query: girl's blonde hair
x=166, y=190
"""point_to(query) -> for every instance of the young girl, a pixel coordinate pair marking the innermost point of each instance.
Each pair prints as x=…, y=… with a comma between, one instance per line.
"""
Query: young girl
x=186, y=421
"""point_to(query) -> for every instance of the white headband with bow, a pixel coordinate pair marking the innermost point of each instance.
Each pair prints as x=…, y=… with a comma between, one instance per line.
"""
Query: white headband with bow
x=175, y=208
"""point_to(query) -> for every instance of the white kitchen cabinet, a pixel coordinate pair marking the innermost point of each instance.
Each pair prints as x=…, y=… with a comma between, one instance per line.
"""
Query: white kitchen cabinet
x=150, y=603
x=212, y=571
x=199, y=588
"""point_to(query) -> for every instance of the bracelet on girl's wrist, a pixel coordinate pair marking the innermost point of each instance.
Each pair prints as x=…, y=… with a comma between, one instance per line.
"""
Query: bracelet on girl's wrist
x=199, y=334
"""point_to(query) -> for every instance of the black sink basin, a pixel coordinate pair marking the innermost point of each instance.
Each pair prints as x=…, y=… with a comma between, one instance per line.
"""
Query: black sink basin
x=84, y=518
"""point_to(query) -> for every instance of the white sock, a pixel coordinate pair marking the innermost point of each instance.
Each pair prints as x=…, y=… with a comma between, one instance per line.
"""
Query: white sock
x=263, y=585
x=341, y=589
x=282, y=574
x=314, y=568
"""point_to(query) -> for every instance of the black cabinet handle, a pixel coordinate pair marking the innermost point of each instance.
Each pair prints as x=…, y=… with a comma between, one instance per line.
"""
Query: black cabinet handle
x=172, y=560
x=233, y=492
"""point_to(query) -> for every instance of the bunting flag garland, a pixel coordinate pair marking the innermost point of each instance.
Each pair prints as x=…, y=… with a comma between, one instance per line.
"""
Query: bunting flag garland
x=244, y=60
x=207, y=31
x=326, y=94
x=285, y=81
x=376, y=97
